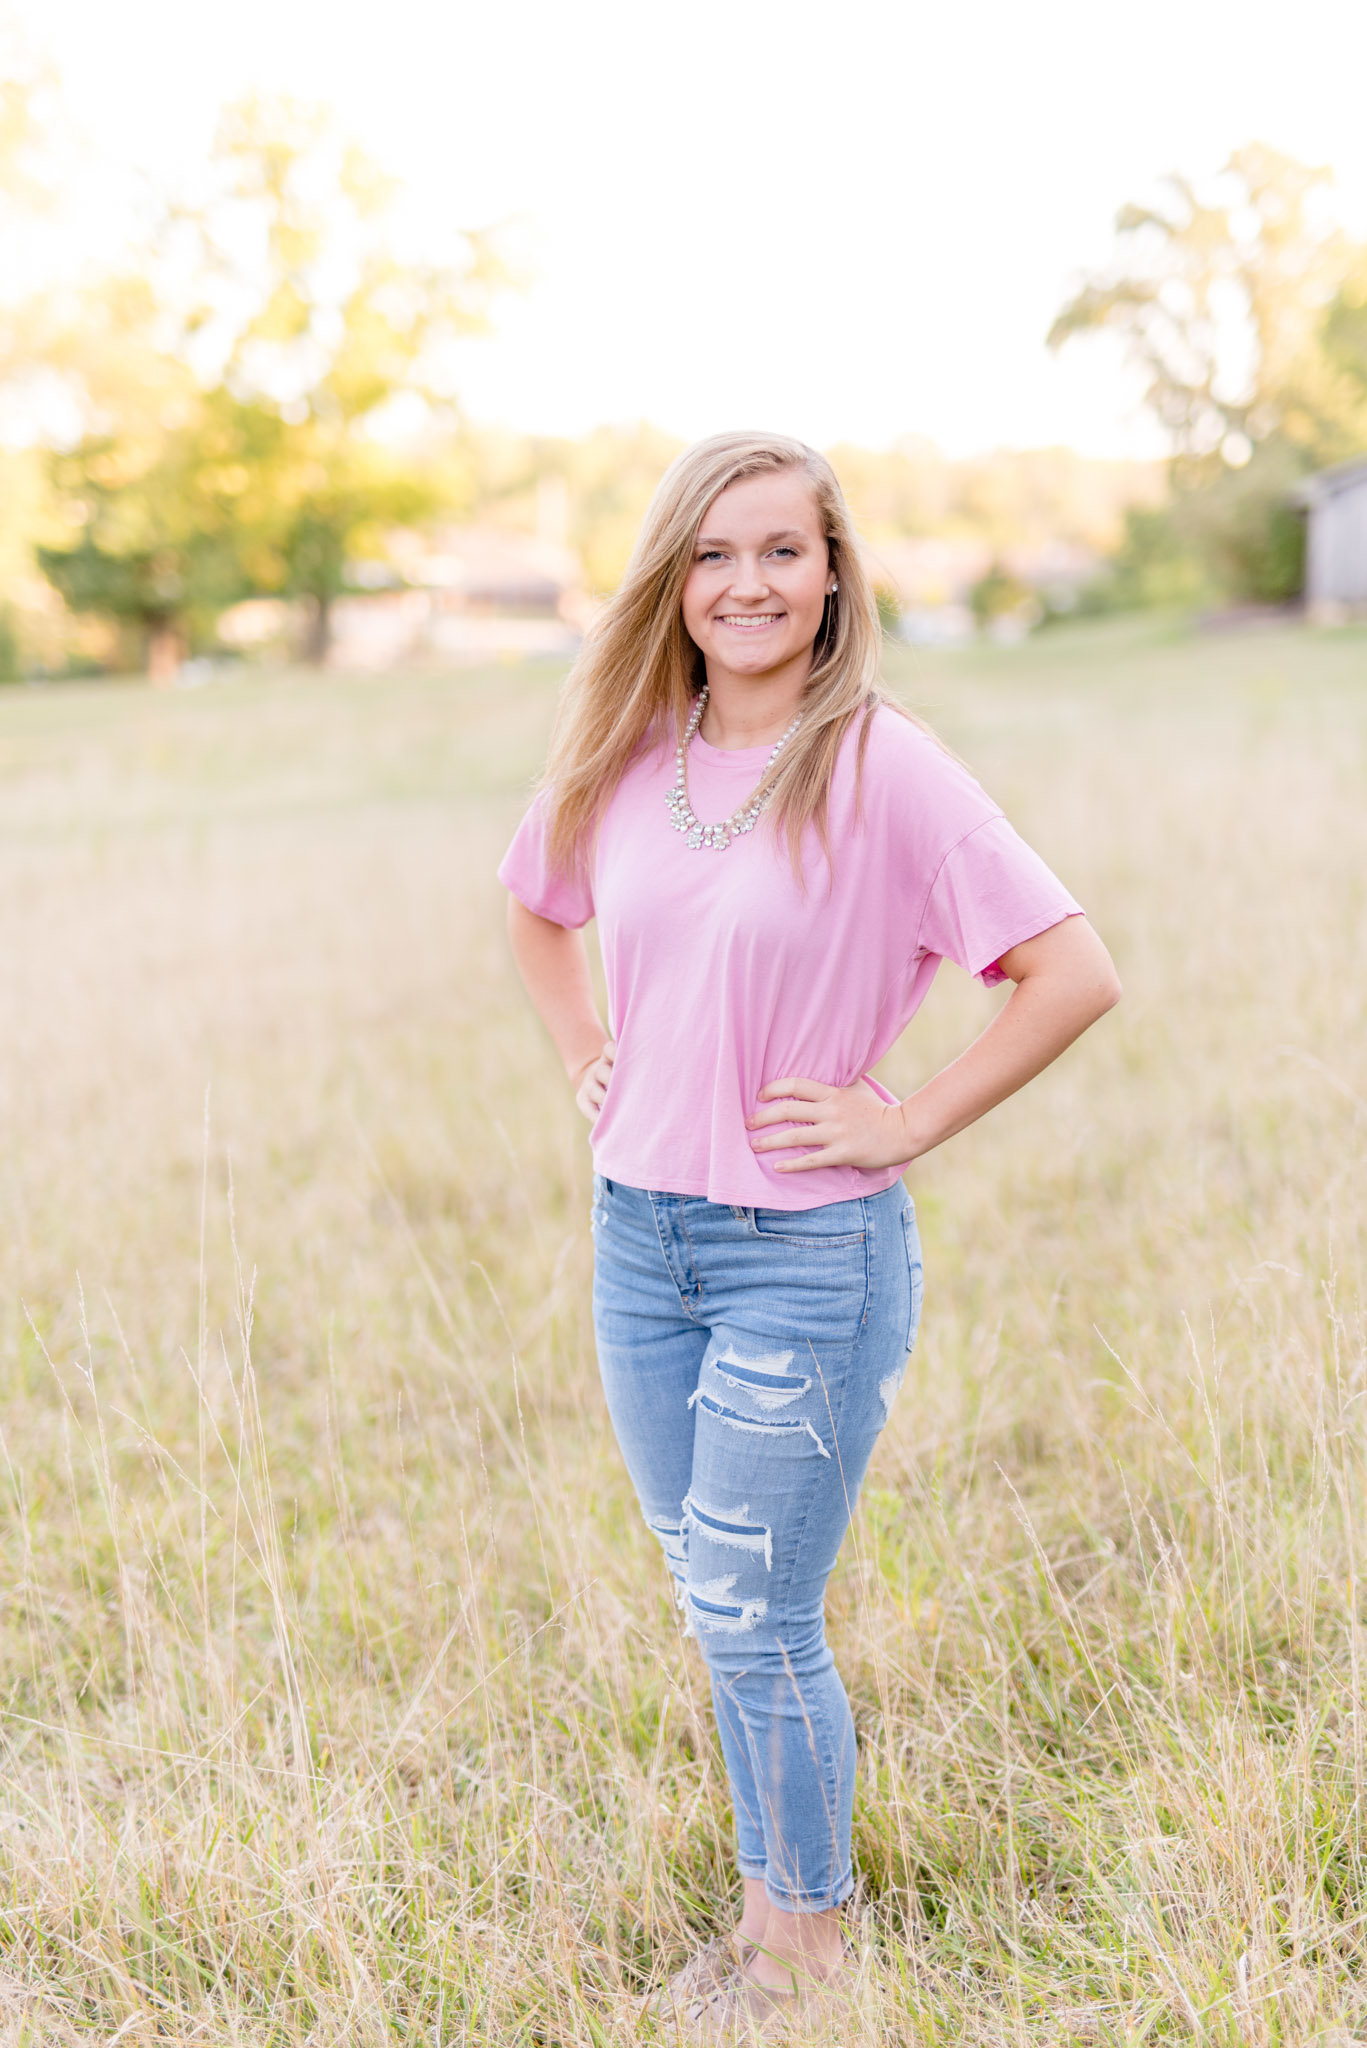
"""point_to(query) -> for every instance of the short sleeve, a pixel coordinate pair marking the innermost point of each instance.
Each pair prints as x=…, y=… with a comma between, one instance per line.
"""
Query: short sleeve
x=990, y=893
x=548, y=891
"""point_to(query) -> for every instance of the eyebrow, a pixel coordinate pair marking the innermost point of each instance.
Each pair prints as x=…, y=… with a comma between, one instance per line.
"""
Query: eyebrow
x=708, y=540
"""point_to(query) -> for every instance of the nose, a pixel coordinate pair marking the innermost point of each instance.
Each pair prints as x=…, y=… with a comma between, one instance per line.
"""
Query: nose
x=749, y=584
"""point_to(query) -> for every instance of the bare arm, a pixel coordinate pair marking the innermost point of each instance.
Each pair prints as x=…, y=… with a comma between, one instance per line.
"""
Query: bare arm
x=554, y=966
x=1064, y=981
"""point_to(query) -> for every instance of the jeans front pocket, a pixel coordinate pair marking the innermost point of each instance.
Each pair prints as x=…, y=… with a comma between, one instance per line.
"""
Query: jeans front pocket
x=831, y=1226
x=915, y=1273
x=812, y=1266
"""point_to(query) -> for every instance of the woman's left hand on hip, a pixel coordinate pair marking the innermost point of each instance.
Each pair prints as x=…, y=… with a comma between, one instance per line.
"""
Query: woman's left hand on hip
x=845, y=1126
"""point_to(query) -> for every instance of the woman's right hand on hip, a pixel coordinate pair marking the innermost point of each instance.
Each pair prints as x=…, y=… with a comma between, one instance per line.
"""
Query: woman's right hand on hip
x=592, y=1082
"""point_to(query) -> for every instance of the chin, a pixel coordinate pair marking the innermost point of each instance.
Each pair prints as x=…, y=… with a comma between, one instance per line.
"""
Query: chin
x=749, y=659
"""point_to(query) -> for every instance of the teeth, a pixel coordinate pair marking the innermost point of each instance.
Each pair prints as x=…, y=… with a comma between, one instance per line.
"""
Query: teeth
x=750, y=618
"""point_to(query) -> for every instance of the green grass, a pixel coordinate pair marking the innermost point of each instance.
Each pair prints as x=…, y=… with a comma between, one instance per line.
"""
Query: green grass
x=343, y=1699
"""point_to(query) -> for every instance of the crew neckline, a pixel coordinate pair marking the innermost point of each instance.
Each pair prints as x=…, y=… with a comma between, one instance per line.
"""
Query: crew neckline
x=711, y=753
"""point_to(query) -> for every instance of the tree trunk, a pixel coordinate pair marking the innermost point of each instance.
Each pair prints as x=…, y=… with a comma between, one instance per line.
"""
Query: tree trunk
x=165, y=652
x=318, y=638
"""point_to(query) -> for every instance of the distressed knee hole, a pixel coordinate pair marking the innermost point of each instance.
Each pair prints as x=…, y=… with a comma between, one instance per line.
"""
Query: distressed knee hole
x=887, y=1390
x=766, y=1378
x=756, y=1425
x=731, y=1527
x=716, y=1612
x=673, y=1540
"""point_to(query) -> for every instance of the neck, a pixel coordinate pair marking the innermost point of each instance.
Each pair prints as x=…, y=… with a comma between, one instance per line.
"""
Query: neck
x=751, y=711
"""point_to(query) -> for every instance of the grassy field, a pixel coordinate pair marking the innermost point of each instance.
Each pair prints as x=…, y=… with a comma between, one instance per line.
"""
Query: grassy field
x=343, y=1699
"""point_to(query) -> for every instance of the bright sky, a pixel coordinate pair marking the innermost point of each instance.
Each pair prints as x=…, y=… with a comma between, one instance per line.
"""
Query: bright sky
x=848, y=220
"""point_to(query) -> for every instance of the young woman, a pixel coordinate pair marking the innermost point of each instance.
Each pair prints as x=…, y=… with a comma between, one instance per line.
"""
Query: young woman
x=778, y=858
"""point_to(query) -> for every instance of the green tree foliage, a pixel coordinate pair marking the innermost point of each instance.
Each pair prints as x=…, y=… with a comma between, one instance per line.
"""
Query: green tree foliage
x=1008, y=498
x=1153, y=568
x=340, y=331
x=140, y=528
x=1345, y=330
x=608, y=478
x=158, y=507
x=998, y=594
x=10, y=651
x=1243, y=528
x=1238, y=536
x=230, y=393
x=1233, y=305
x=1222, y=302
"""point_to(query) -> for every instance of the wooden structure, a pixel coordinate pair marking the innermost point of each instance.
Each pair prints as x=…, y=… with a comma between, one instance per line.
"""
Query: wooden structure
x=1335, y=503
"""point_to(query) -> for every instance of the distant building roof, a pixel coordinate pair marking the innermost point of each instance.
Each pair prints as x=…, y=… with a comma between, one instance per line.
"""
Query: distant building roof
x=1327, y=483
x=1335, y=503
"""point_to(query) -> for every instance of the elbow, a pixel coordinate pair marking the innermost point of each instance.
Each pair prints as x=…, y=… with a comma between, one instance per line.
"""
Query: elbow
x=1108, y=993
x=1105, y=989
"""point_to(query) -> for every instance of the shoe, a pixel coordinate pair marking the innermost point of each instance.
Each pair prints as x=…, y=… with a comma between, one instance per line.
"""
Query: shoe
x=707, y=1971
x=740, y=2011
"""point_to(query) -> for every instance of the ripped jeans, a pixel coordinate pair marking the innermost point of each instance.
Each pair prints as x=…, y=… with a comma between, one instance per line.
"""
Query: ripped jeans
x=750, y=1358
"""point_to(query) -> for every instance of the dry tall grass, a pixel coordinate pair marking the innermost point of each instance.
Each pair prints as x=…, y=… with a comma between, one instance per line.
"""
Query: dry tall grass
x=343, y=1701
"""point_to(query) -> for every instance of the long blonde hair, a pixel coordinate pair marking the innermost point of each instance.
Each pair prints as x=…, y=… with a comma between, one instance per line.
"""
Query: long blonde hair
x=638, y=672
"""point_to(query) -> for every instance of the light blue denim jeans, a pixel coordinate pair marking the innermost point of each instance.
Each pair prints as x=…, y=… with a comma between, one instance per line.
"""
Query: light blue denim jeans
x=750, y=1358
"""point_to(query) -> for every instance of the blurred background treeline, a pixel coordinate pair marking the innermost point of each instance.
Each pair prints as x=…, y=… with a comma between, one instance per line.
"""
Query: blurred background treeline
x=242, y=435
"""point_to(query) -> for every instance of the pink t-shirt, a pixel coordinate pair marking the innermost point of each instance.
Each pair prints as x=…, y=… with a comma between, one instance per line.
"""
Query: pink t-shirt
x=723, y=975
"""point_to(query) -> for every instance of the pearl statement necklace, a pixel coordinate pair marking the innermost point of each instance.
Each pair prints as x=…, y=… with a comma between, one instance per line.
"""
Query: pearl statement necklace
x=718, y=837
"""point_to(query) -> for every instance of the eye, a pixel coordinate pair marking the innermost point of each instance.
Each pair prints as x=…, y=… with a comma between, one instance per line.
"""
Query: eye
x=786, y=550
x=710, y=555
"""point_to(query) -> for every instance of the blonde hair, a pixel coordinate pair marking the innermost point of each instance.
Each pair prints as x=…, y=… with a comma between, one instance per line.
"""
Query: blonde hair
x=638, y=673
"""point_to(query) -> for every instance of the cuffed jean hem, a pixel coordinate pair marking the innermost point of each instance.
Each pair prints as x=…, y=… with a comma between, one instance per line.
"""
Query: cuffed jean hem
x=755, y=1872
x=811, y=1902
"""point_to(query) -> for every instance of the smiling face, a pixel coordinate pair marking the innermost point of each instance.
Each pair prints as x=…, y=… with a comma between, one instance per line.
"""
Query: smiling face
x=760, y=575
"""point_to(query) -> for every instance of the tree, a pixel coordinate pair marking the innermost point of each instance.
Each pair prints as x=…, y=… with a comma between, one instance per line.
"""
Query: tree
x=217, y=409
x=145, y=493
x=1154, y=567
x=999, y=595
x=1227, y=301
x=158, y=506
x=1345, y=329
x=339, y=331
x=1222, y=301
